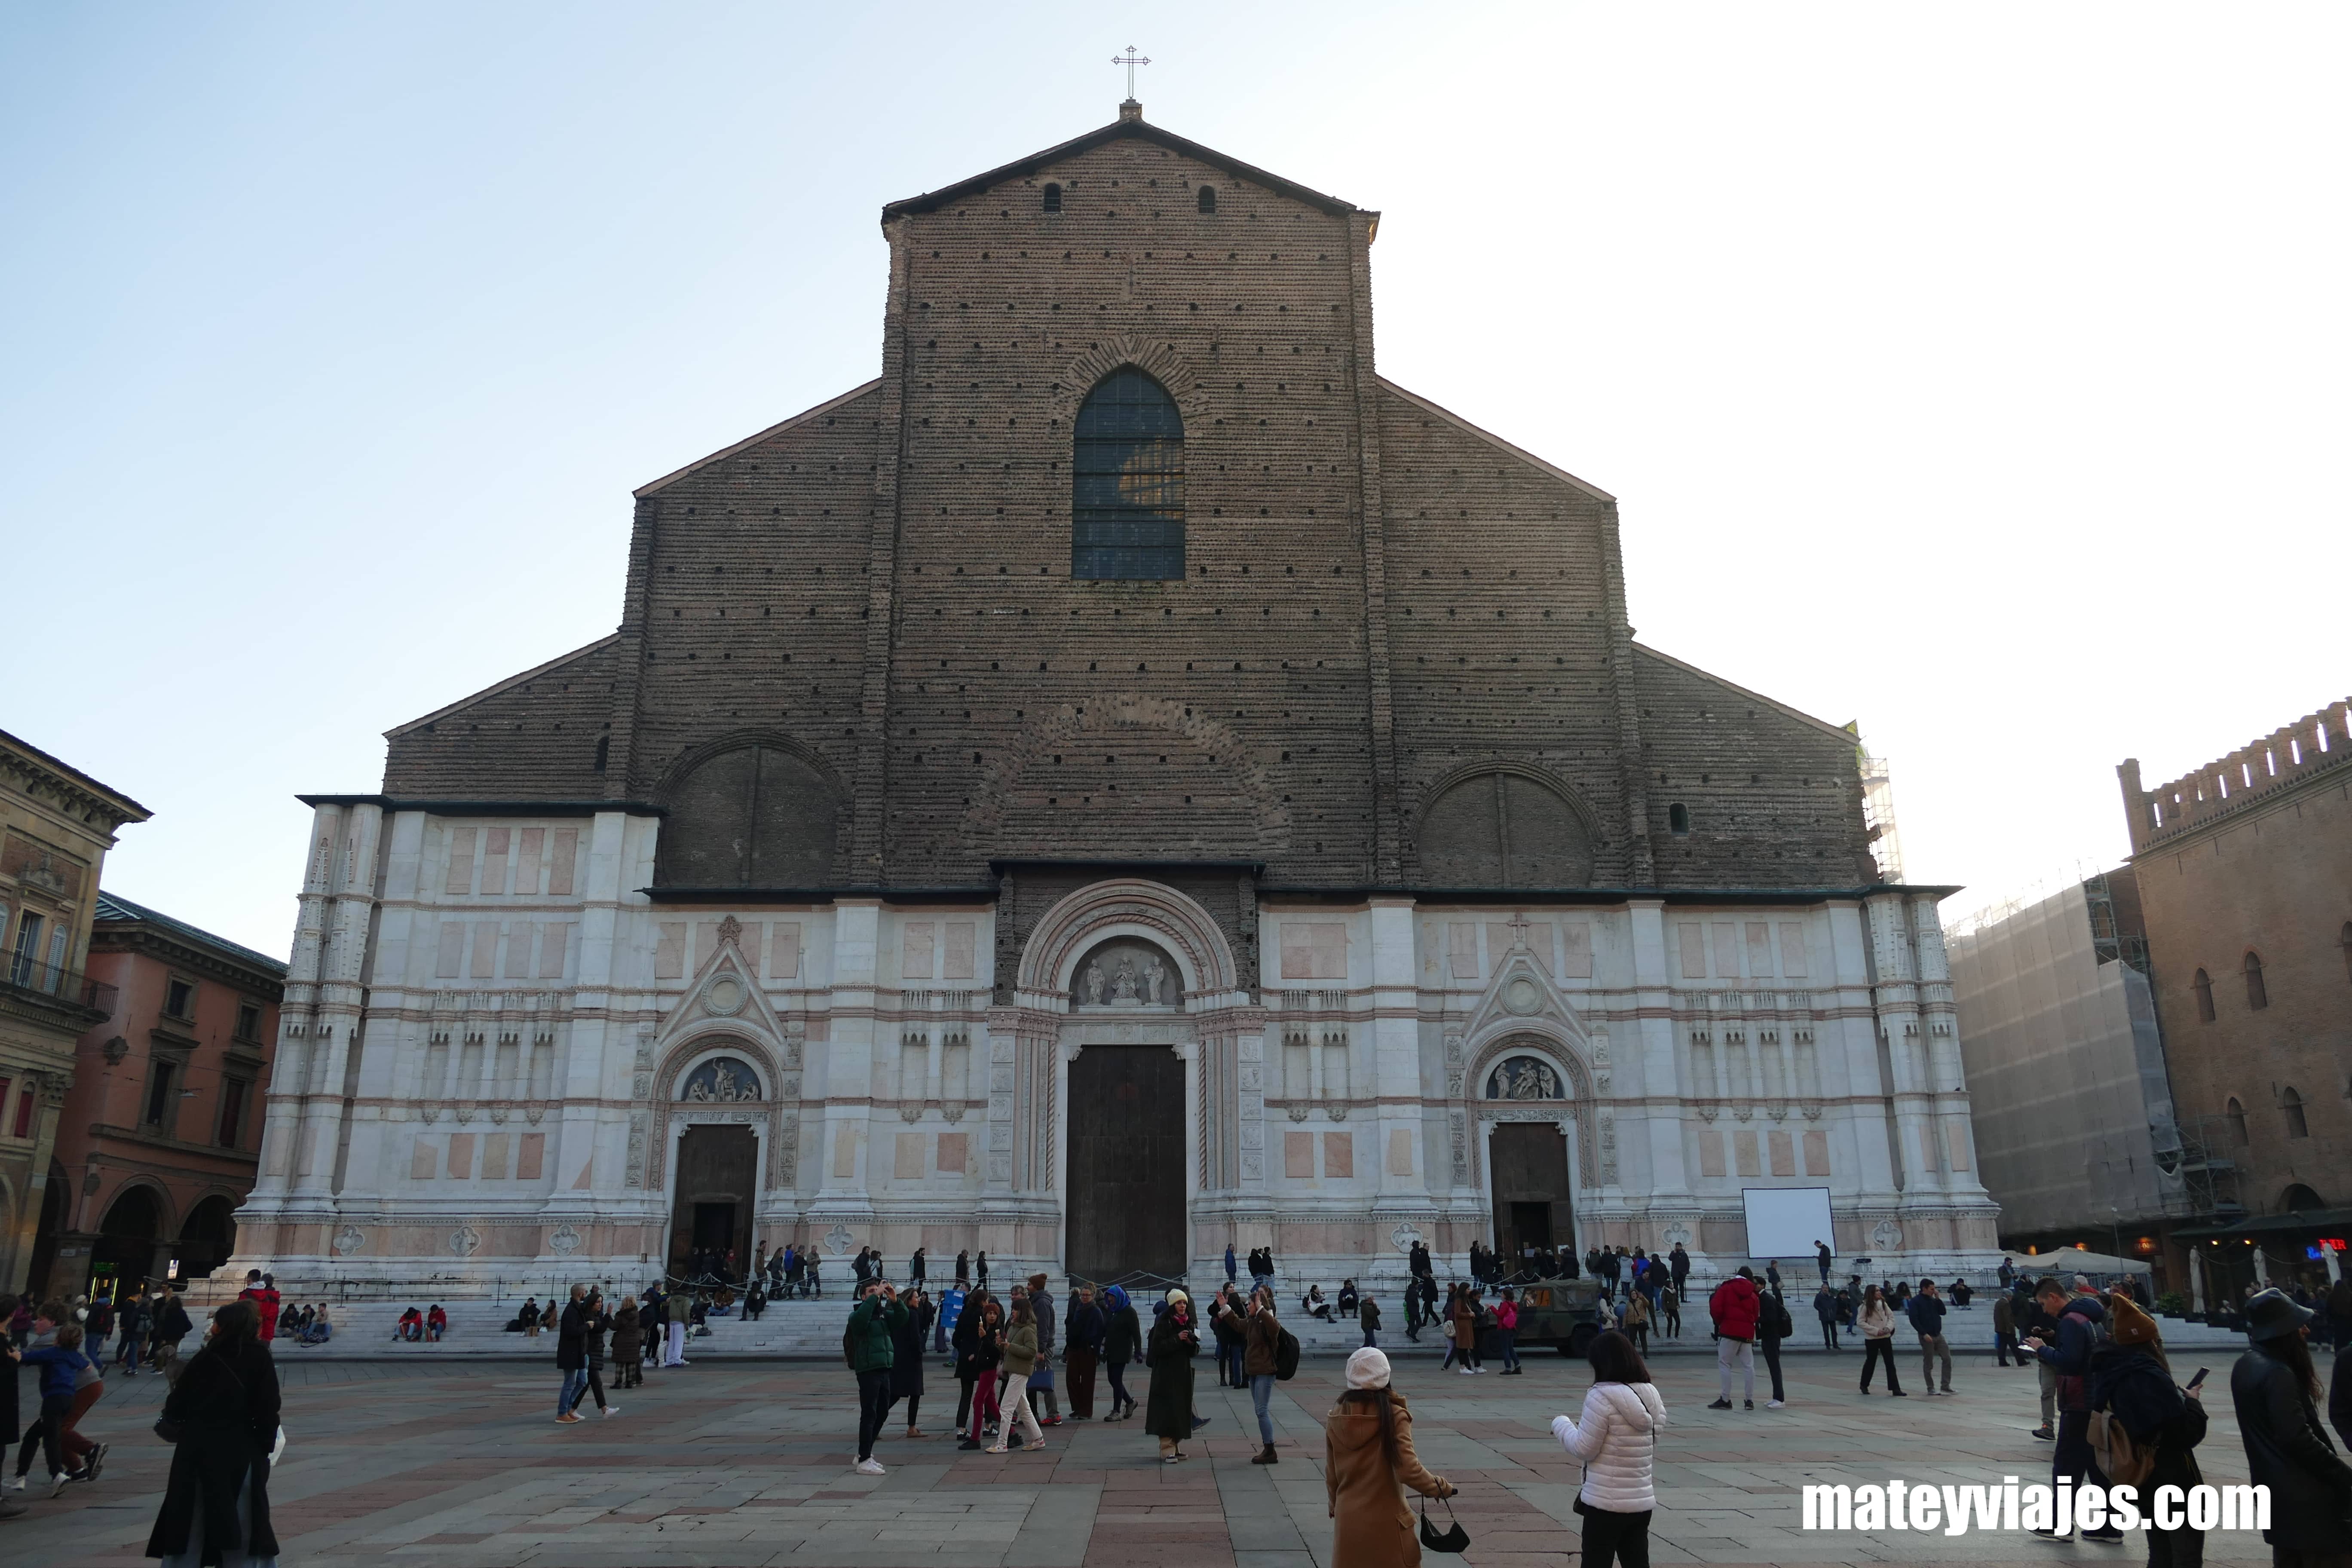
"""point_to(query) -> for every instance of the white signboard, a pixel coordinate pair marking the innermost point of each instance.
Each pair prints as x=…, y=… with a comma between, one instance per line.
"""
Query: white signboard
x=1785, y=1222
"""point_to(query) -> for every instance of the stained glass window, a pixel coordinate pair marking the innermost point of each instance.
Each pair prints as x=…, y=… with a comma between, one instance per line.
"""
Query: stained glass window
x=1127, y=482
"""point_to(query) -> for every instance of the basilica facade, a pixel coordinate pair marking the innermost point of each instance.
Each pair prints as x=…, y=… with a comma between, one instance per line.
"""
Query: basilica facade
x=1125, y=780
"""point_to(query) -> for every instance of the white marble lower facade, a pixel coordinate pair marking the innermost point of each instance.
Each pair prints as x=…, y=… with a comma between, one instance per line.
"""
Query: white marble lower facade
x=495, y=1038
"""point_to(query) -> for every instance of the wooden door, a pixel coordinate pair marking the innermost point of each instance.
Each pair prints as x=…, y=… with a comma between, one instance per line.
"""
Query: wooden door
x=1127, y=1163
x=1530, y=1169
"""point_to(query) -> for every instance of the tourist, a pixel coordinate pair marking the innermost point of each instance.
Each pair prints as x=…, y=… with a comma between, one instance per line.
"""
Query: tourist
x=1637, y=1322
x=2035, y=1320
x=981, y=1265
x=984, y=1353
x=1261, y=1343
x=1175, y=1340
x=60, y=1361
x=915, y=1265
x=1507, y=1332
x=436, y=1324
x=261, y=1289
x=1617, y=1442
x=1824, y=1258
x=571, y=1353
x=2080, y=1323
x=130, y=1324
x=1083, y=1333
x=871, y=1343
x=1735, y=1308
x=1368, y=1461
x=2004, y=1330
x=596, y=1322
x=1368, y=1317
x=1670, y=1309
x=320, y=1328
x=1122, y=1343
x=812, y=1285
x=1314, y=1305
x=907, y=1357
x=411, y=1326
x=1040, y=1380
x=677, y=1312
x=1678, y=1269
x=1926, y=1315
x=1230, y=1276
x=1021, y=1352
x=943, y=1323
x=1773, y=1324
x=1876, y=1321
x=966, y=1309
x=222, y=1420
x=168, y=1325
x=963, y=1271
x=629, y=1345
x=1349, y=1299
x=2131, y=1380
x=2275, y=1390
x=1826, y=1309
x=528, y=1319
x=1412, y=1309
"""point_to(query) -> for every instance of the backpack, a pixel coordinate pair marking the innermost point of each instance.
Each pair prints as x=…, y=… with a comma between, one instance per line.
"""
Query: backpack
x=2120, y=1459
x=1286, y=1356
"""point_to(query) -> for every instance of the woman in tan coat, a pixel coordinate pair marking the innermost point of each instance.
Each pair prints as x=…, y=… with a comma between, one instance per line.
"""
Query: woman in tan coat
x=1368, y=1462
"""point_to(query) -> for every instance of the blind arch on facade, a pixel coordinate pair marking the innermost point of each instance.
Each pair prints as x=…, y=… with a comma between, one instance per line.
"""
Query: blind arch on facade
x=1127, y=477
x=1504, y=828
x=752, y=813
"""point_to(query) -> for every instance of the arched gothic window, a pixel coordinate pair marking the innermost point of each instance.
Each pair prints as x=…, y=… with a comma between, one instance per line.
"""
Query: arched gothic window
x=2297, y=1125
x=2203, y=988
x=2258, y=995
x=1208, y=198
x=1126, y=503
x=2235, y=1114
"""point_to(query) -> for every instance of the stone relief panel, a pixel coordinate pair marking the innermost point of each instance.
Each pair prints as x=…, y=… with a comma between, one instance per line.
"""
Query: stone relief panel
x=1524, y=1078
x=722, y=1080
x=1124, y=973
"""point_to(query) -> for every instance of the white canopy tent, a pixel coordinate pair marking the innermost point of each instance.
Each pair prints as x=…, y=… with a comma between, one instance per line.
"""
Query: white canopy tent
x=2069, y=1260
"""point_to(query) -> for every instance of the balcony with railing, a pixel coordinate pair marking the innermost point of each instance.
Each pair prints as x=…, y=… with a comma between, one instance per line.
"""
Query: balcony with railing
x=27, y=979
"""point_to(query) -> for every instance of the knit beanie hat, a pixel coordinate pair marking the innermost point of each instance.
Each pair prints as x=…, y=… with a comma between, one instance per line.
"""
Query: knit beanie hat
x=2127, y=1323
x=1367, y=1368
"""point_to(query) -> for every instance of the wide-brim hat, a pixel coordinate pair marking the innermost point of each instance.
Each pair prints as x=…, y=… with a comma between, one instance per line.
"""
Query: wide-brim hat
x=2273, y=1314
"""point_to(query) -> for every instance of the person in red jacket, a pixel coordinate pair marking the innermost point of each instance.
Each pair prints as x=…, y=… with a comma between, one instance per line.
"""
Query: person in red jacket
x=262, y=1292
x=1734, y=1307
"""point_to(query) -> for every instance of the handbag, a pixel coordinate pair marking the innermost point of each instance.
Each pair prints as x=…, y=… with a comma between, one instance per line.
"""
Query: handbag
x=1454, y=1538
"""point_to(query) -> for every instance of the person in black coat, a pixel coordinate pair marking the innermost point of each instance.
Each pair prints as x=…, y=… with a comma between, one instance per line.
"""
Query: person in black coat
x=2276, y=1392
x=907, y=1360
x=571, y=1353
x=222, y=1419
x=2131, y=1380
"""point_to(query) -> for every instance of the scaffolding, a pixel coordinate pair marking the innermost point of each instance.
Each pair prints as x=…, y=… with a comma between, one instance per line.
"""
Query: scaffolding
x=2208, y=1177
x=2109, y=941
x=1878, y=808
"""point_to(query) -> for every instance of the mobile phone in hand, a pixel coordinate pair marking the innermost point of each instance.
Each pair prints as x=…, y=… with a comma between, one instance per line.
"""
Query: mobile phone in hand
x=2198, y=1380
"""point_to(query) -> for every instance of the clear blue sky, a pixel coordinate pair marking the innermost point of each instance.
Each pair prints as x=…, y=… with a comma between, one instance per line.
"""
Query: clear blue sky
x=1973, y=371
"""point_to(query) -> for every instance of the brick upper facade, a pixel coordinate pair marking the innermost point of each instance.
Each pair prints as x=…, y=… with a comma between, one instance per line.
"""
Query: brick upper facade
x=1379, y=598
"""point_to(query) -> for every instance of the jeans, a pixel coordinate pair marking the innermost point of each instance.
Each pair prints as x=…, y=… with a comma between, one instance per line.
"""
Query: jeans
x=575, y=1382
x=1616, y=1538
x=129, y=1356
x=1261, y=1390
x=872, y=1408
x=1772, y=1348
x=1741, y=1354
x=1873, y=1350
x=1370, y=1342
x=48, y=1430
x=1508, y=1341
x=2004, y=1346
x=1931, y=1347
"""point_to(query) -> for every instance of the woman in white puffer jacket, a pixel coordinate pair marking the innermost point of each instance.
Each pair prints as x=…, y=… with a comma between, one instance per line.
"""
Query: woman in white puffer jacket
x=1618, y=1441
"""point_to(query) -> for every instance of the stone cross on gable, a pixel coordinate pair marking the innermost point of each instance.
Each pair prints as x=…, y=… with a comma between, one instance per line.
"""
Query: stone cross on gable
x=1519, y=923
x=731, y=933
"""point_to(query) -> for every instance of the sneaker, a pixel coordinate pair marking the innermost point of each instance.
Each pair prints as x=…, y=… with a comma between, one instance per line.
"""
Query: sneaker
x=1747, y=1404
x=1775, y=1403
x=870, y=1466
x=1199, y=1422
x=2046, y=1435
x=968, y=1445
x=2046, y=1535
x=1051, y=1421
x=1948, y=1388
x=1720, y=1404
x=611, y=1411
x=1463, y=1372
x=59, y=1482
x=1000, y=1448
x=15, y=1483
x=2110, y=1536
x=98, y=1459
x=1899, y=1393
x=568, y=1417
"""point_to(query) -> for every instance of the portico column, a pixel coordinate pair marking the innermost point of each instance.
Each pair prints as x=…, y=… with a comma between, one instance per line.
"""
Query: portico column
x=1404, y=1175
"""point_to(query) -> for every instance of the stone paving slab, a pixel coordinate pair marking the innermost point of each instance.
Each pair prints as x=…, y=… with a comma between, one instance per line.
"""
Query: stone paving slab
x=742, y=1464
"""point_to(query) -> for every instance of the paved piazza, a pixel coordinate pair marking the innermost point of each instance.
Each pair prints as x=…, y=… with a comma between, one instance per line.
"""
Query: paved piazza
x=748, y=1463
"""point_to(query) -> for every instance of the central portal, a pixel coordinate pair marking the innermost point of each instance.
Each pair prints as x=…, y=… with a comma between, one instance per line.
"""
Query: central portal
x=1533, y=1210
x=1127, y=1163
x=711, y=1215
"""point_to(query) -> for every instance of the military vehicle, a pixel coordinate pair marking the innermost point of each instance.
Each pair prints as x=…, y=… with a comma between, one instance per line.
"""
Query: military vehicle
x=1561, y=1312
